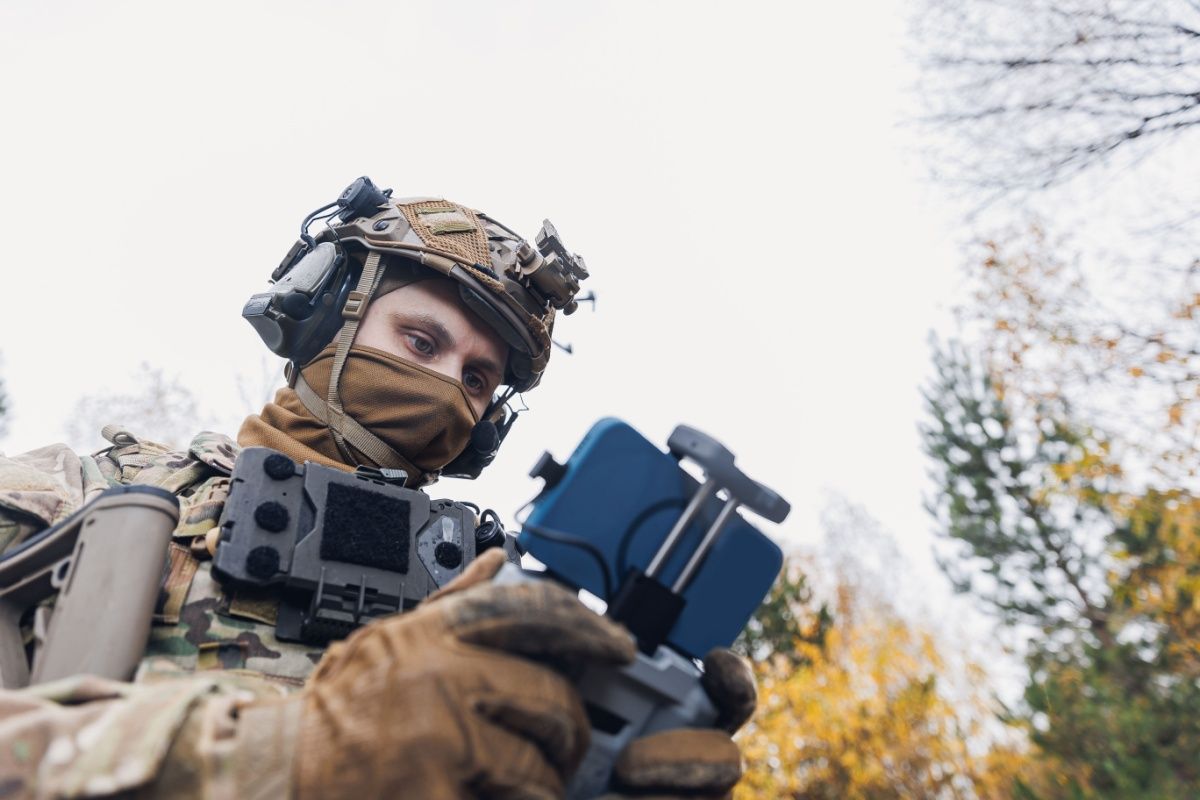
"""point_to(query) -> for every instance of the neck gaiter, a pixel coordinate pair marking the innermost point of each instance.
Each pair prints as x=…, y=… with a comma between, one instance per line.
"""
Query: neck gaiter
x=422, y=415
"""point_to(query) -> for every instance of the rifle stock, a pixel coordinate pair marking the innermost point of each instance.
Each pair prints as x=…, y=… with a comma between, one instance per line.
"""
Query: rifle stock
x=105, y=564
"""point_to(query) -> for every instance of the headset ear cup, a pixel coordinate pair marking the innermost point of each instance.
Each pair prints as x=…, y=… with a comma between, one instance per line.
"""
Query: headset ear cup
x=302, y=312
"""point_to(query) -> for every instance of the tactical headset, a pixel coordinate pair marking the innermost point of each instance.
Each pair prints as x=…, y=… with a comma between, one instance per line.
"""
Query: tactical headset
x=324, y=282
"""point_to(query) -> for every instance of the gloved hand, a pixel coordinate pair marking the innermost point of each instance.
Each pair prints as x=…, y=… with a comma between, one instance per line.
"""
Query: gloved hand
x=466, y=696
x=693, y=763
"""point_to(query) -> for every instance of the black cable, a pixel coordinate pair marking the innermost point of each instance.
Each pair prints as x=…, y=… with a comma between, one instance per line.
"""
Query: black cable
x=500, y=400
x=575, y=541
x=638, y=521
x=500, y=224
x=308, y=240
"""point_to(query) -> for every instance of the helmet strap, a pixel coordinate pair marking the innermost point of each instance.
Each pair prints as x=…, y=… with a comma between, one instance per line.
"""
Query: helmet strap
x=362, y=439
x=343, y=428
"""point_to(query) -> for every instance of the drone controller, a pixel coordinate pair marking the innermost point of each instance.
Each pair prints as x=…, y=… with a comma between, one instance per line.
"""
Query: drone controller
x=673, y=559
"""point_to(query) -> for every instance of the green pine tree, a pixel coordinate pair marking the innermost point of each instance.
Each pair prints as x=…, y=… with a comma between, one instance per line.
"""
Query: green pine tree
x=1026, y=512
x=1012, y=541
x=786, y=619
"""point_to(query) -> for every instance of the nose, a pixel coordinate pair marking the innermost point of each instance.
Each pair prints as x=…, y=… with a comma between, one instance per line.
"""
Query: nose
x=451, y=365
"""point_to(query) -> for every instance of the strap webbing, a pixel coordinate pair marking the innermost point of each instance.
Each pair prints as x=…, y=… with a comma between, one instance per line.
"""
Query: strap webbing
x=366, y=442
x=356, y=306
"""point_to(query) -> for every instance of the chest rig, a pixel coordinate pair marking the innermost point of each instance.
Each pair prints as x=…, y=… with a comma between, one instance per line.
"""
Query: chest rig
x=341, y=548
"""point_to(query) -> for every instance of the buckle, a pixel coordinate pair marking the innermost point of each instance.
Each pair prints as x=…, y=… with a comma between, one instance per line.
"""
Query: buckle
x=396, y=477
x=355, y=305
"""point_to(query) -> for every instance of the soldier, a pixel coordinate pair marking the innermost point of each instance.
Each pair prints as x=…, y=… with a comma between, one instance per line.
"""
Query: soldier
x=437, y=307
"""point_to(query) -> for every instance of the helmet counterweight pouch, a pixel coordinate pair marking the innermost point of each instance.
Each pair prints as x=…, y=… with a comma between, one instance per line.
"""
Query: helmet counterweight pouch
x=302, y=311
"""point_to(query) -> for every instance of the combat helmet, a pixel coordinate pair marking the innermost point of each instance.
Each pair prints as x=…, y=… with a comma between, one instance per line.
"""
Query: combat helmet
x=324, y=284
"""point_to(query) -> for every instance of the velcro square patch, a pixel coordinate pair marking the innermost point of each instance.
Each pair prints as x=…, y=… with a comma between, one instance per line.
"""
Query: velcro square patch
x=365, y=529
x=447, y=221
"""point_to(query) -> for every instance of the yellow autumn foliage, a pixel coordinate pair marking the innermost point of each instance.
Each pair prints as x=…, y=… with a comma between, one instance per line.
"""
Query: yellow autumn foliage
x=866, y=717
x=1158, y=579
x=1127, y=365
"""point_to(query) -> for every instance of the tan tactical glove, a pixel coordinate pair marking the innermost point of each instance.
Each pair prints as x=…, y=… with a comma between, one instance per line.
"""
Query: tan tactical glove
x=693, y=763
x=464, y=697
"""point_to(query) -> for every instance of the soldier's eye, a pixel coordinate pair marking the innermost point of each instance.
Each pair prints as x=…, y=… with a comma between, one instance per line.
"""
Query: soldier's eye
x=473, y=382
x=420, y=344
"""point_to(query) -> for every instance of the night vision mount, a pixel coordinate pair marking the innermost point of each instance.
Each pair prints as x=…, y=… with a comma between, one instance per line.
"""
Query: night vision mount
x=550, y=270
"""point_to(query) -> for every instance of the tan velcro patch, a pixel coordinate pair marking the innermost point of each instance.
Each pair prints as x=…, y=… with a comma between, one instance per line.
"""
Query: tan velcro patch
x=261, y=605
x=441, y=222
x=440, y=225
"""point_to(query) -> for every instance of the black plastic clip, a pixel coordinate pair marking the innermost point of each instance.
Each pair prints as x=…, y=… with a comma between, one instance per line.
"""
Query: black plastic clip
x=395, y=477
x=333, y=612
x=648, y=608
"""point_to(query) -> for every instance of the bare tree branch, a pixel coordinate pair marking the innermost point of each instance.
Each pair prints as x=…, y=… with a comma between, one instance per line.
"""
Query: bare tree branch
x=1037, y=91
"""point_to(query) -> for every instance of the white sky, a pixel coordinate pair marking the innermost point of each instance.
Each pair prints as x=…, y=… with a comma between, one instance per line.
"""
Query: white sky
x=767, y=257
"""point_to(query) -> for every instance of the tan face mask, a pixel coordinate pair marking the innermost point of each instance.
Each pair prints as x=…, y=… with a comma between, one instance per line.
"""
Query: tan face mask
x=421, y=414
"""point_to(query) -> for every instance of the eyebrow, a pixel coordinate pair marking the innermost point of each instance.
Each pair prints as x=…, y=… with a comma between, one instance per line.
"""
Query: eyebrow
x=447, y=340
x=435, y=326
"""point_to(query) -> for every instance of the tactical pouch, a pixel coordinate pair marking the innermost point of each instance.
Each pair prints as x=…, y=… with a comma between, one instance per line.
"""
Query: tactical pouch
x=343, y=548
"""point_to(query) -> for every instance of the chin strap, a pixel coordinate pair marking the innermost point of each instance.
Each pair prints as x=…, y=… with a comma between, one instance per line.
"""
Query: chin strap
x=362, y=439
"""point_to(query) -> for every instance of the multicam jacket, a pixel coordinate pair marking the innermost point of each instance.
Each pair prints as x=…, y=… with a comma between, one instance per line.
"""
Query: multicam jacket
x=204, y=641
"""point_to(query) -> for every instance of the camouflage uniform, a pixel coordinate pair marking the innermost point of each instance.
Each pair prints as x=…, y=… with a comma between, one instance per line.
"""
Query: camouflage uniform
x=61, y=739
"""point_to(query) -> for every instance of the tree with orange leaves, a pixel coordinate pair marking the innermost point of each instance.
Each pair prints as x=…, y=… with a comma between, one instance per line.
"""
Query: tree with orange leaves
x=872, y=707
x=1065, y=451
